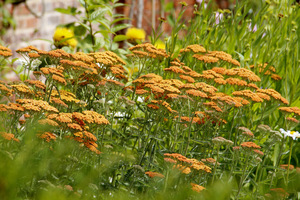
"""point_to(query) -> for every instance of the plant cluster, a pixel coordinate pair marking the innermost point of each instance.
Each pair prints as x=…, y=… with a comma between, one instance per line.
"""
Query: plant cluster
x=190, y=121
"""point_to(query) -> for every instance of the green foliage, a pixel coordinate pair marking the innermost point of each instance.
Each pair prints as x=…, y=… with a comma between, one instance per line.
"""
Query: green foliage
x=145, y=129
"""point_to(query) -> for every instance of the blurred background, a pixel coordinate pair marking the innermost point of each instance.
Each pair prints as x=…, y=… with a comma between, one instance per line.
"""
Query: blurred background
x=33, y=22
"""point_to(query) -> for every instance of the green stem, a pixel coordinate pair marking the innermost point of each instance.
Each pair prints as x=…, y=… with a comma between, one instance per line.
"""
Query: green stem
x=216, y=163
x=242, y=178
x=290, y=155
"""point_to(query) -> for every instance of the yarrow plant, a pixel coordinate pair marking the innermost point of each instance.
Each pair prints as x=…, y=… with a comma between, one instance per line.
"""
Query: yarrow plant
x=198, y=118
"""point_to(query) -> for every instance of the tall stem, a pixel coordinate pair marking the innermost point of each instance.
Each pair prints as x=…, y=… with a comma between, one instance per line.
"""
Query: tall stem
x=216, y=163
x=290, y=155
x=242, y=178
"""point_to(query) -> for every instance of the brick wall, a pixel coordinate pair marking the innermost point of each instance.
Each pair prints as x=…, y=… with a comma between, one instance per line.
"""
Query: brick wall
x=30, y=28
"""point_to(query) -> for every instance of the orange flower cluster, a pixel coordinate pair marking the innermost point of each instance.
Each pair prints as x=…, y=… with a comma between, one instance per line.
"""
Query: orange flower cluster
x=154, y=174
x=213, y=105
x=293, y=120
x=9, y=136
x=147, y=50
x=4, y=90
x=206, y=58
x=250, y=145
x=246, y=132
x=5, y=52
x=197, y=188
x=36, y=105
x=243, y=73
x=196, y=48
x=248, y=94
x=184, y=164
x=288, y=110
x=87, y=139
x=55, y=73
x=47, y=136
x=231, y=101
x=65, y=96
x=22, y=89
x=273, y=93
x=206, y=88
x=36, y=83
x=236, y=81
x=266, y=69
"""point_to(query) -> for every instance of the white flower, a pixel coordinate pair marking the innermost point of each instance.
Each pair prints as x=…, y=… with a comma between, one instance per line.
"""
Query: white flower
x=292, y=134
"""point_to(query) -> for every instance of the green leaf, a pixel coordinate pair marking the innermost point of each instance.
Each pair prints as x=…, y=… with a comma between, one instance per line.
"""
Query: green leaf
x=98, y=13
x=80, y=30
x=68, y=11
x=119, y=27
x=119, y=38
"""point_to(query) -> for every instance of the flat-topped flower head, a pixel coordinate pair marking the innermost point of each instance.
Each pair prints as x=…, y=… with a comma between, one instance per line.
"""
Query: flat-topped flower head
x=292, y=134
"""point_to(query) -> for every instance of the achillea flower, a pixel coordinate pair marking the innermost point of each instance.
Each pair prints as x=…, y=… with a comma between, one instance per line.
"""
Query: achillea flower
x=170, y=160
x=236, y=81
x=289, y=110
x=136, y=34
x=47, y=136
x=293, y=120
x=175, y=69
x=206, y=58
x=293, y=134
x=187, y=78
x=210, y=160
x=183, y=169
x=278, y=193
x=260, y=153
x=276, y=77
x=246, y=131
x=62, y=117
x=154, y=174
x=196, y=93
x=250, y=145
x=197, y=188
x=252, y=85
x=31, y=107
x=22, y=89
x=220, y=140
x=48, y=122
x=213, y=105
x=195, y=48
x=242, y=100
x=206, y=87
x=236, y=148
x=249, y=94
x=59, y=79
x=36, y=83
x=59, y=102
x=220, y=81
x=286, y=166
x=188, y=86
x=64, y=37
x=9, y=136
x=74, y=126
x=219, y=70
x=89, y=136
x=15, y=107
x=273, y=93
x=5, y=52
x=211, y=73
x=3, y=108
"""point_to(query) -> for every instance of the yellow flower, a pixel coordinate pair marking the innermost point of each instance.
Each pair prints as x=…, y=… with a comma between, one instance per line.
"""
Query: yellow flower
x=64, y=37
x=136, y=34
x=160, y=44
